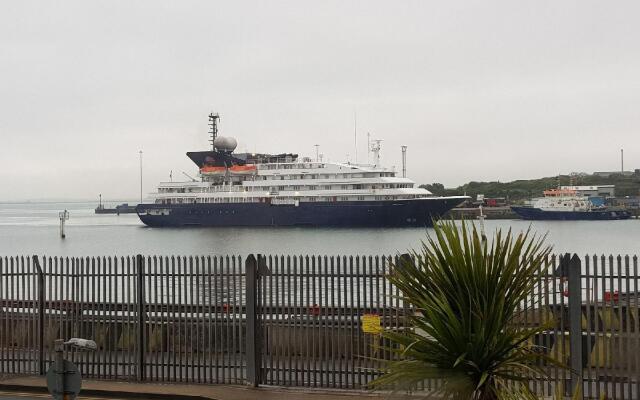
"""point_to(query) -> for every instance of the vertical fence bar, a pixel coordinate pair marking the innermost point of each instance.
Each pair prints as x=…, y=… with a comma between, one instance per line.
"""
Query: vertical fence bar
x=155, y=323
x=226, y=336
x=190, y=311
x=636, y=328
x=200, y=318
x=342, y=323
x=604, y=309
x=575, y=319
x=3, y=326
x=333, y=320
x=620, y=330
x=253, y=356
x=235, y=323
x=22, y=318
x=597, y=325
x=536, y=301
x=141, y=316
x=277, y=321
x=40, y=300
x=217, y=277
x=165, y=319
x=628, y=324
x=10, y=308
x=308, y=304
x=3, y=330
x=549, y=336
x=294, y=317
x=210, y=302
x=288, y=345
x=110, y=313
x=352, y=321
x=20, y=306
x=589, y=326
x=171, y=274
x=611, y=376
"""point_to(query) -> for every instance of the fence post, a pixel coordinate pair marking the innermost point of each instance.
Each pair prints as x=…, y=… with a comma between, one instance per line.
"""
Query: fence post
x=574, y=269
x=40, y=301
x=254, y=361
x=141, y=317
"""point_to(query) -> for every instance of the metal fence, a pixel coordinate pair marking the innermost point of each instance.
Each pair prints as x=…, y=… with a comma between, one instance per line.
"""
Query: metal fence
x=290, y=321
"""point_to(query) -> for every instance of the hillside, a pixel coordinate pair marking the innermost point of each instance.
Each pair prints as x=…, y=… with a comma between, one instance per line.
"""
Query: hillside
x=527, y=188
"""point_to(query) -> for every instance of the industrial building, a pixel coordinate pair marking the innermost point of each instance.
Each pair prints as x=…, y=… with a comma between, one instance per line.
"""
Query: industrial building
x=593, y=191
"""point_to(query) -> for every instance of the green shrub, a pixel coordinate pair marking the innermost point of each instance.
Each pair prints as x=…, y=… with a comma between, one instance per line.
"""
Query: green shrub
x=468, y=295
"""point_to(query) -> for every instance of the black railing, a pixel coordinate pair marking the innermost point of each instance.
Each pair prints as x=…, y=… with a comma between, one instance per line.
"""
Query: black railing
x=310, y=321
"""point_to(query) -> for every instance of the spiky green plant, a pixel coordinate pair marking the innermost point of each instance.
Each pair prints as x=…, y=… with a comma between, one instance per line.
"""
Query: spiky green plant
x=468, y=295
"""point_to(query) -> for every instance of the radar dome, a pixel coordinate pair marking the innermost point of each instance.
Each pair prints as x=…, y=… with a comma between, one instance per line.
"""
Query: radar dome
x=225, y=143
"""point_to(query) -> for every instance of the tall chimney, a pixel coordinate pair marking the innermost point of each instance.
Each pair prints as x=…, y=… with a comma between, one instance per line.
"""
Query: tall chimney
x=404, y=161
x=622, y=160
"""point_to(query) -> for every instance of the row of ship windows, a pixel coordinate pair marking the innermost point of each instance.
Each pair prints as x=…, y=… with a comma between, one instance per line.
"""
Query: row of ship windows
x=337, y=187
x=294, y=187
x=325, y=176
x=284, y=198
x=290, y=166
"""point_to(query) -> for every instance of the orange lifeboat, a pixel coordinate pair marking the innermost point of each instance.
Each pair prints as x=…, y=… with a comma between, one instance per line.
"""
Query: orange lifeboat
x=560, y=192
x=248, y=169
x=206, y=170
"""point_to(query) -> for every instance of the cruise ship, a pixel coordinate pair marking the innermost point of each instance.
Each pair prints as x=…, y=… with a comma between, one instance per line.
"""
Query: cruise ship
x=250, y=189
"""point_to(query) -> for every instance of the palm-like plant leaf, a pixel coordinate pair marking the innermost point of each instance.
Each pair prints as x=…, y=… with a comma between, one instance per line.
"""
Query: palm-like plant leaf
x=468, y=295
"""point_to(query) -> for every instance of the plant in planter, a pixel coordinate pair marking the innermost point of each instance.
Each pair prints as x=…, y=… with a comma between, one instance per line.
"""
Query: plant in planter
x=468, y=295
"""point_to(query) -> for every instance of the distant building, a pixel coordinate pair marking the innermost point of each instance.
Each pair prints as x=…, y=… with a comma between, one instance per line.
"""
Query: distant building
x=606, y=174
x=593, y=191
x=628, y=202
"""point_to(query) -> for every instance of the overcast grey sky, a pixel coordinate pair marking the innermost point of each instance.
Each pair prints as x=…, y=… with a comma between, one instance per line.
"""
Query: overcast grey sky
x=478, y=90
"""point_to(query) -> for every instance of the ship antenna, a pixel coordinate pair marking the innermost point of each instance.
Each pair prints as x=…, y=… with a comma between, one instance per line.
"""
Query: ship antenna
x=355, y=135
x=140, y=152
x=368, y=148
x=375, y=148
x=213, y=128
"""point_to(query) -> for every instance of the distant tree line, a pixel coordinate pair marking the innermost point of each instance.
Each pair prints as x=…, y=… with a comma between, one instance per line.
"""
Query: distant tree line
x=523, y=189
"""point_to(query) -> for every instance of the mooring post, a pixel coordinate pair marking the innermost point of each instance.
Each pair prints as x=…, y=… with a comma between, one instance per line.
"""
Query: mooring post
x=59, y=367
x=64, y=215
x=141, y=317
x=41, y=300
x=574, y=269
x=254, y=362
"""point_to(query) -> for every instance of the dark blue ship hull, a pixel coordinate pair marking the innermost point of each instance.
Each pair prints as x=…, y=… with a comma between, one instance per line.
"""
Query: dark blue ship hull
x=399, y=213
x=531, y=213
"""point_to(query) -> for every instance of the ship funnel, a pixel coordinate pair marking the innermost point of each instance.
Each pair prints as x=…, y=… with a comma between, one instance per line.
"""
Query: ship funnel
x=404, y=161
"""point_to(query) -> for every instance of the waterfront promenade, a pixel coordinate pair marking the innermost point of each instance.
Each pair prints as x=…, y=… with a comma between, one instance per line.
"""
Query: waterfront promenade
x=27, y=386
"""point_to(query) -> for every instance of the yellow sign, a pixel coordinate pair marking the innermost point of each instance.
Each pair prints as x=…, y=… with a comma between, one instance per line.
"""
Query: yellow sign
x=371, y=323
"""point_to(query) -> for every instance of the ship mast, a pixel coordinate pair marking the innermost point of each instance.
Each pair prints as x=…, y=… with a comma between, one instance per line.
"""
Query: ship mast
x=375, y=149
x=213, y=128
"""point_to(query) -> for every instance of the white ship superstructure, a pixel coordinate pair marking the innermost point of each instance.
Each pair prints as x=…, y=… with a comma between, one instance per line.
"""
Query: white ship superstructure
x=305, y=181
x=561, y=200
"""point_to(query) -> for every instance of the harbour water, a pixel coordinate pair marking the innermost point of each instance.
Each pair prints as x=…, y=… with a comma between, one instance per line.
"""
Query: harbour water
x=32, y=228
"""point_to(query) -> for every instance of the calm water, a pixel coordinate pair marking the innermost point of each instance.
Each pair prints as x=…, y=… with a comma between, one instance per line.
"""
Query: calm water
x=32, y=228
